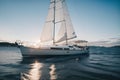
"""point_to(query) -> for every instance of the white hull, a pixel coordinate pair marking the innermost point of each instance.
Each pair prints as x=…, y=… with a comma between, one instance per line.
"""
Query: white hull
x=27, y=51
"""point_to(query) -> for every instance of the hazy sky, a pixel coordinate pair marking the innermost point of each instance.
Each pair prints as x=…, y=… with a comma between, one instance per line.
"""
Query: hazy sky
x=93, y=20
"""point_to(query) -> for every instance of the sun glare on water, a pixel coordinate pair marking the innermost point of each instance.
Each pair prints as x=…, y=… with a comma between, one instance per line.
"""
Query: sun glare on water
x=34, y=73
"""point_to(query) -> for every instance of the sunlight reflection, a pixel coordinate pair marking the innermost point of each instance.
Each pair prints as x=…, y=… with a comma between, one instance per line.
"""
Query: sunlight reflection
x=53, y=75
x=34, y=73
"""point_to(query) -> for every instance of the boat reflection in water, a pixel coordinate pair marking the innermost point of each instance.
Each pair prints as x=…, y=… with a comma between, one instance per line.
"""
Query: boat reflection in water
x=37, y=70
x=53, y=68
x=34, y=73
x=53, y=75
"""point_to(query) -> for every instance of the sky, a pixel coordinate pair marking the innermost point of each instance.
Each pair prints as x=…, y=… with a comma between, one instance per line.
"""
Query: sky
x=93, y=20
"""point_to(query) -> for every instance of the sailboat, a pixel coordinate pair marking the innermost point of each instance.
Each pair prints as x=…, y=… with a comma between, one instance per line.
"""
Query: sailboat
x=58, y=28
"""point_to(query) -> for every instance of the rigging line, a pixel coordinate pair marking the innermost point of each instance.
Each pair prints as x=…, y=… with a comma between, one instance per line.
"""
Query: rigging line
x=56, y=9
x=55, y=22
x=49, y=21
x=59, y=21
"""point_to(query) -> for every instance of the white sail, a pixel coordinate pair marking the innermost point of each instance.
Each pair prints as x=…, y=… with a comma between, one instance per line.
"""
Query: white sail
x=47, y=32
x=59, y=11
x=61, y=36
x=57, y=17
x=66, y=31
x=69, y=27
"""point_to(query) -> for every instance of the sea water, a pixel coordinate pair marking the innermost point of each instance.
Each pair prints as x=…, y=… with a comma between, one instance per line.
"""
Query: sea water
x=101, y=64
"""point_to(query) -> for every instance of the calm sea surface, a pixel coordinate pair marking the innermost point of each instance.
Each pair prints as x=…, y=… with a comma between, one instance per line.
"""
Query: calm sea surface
x=101, y=64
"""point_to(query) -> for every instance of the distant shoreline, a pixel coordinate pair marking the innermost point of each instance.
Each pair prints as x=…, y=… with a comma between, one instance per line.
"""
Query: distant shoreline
x=7, y=44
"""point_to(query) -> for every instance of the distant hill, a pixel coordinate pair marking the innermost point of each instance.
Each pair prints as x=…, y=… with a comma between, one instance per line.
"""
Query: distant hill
x=118, y=46
x=115, y=46
x=7, y=44
x=107, y=50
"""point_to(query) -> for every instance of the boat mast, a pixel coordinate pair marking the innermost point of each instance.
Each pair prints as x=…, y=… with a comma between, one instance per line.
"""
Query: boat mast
x=54, y=22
